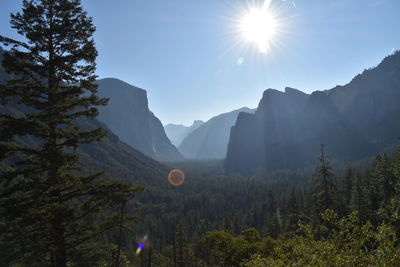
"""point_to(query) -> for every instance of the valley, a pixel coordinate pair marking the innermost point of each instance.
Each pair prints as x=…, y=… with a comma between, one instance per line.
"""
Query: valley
x=94, y=173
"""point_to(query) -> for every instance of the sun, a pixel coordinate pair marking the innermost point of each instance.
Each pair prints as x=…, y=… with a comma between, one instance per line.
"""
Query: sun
x=259, y=27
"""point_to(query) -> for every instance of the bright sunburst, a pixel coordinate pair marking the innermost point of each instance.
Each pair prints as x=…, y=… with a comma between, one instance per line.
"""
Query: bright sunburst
x=259, y=26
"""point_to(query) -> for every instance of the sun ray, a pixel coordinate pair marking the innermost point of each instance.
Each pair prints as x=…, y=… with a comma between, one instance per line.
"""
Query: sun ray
x=281, y=35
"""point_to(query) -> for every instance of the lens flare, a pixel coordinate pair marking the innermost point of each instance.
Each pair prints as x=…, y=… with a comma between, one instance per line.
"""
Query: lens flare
x=240, y=61
x=266, y=4
x=176, y=177
x=139, y=249
x=141, y=244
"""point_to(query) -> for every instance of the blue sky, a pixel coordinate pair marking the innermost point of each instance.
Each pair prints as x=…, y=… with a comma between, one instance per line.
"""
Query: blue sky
x=183, y=52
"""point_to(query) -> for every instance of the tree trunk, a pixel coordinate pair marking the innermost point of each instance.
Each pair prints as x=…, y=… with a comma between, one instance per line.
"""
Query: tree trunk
x=174, y=246
x=121, y=218
x=60, y=253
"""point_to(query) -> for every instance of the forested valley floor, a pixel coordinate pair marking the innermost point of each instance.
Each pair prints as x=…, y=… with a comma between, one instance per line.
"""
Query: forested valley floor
x=347, y=215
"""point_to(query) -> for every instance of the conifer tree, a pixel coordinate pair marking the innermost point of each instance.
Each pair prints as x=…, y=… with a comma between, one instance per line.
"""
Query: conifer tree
x=292, y=211
x=325, y=191
x=358, y=201
x=227, y=224
x=346, y=185
x=383, y=180
x=180, y=240
x=395, y=202
x=51, y=210
x=274, y=218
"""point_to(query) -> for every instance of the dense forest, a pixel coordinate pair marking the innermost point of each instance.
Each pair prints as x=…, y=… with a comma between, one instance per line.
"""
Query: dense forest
x=325, y=216
x=72, y=194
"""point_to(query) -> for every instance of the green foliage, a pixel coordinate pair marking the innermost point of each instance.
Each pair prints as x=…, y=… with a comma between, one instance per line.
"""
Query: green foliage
x=345, y=189
x=52, y=211
x=251, y=235
x=325, y=191
x=357, y=233
x=219, y=248
x=292, y=210
x=351, y=244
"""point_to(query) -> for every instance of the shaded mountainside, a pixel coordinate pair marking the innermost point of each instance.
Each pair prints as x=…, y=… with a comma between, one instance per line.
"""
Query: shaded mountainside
x=353, y=121
x=119, y=160
x=177, y=132
x=127, y=115
x=210, y=140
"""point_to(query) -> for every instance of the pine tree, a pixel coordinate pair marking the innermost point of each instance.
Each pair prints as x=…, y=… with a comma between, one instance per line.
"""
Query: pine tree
x=346, y=185
x=227, y=224
x=383, y=181
x=273, y=223
x=292, y=212
x=325, y=191
x=180, y=241
x=395, y=202
x=358, y=201
x=51, y=210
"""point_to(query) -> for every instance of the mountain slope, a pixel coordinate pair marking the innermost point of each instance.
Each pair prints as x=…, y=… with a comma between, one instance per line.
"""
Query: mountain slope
x=177, y=132
x=210, y=140
x=116, y=158
x=353, y=121
x=119, y=160
x=127, y=115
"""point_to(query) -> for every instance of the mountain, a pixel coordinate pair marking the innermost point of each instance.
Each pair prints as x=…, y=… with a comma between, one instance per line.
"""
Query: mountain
x=352, y=121
x=210, y=140
x=127, y=115
x=119, y=160
x=177, y=132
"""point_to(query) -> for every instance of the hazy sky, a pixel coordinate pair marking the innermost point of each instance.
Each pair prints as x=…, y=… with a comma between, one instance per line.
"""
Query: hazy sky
x=187, y=53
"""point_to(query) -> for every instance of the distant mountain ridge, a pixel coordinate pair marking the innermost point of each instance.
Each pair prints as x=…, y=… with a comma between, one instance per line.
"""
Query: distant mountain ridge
x=210, y=140
x=127, y=115
x=353, y=121
x=177, y=132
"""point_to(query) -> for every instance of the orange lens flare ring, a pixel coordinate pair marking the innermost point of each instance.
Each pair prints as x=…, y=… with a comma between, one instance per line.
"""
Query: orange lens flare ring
x=176, y=177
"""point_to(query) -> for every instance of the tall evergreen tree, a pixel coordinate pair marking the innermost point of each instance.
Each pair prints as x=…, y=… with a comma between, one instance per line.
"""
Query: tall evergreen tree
x=383, y=181
x=395, y=202
x=50, y=208
x=325, y=191
x=273, y=224
x=292, y=211
x=346, y=185
x=358, y=201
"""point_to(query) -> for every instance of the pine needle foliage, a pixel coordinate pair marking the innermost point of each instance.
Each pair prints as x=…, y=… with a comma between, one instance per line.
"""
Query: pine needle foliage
x=52, y=211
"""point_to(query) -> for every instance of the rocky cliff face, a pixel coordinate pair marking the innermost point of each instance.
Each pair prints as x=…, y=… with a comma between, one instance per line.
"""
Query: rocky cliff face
x=353, y=121
x=162, y=147
x=127, y=115
x=210, y=140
